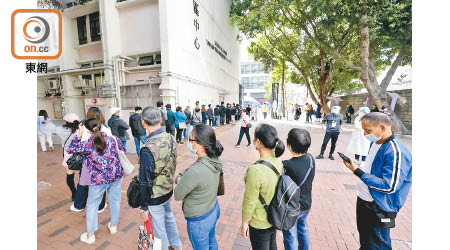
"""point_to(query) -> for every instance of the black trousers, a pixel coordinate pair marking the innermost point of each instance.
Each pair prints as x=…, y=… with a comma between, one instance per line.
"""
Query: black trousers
x=210, y=122
x=329, y=135
x=179, y=134
x=349, y=118
x=81, y=197
x=371, y=235
x=263, y=239
x=243, y=131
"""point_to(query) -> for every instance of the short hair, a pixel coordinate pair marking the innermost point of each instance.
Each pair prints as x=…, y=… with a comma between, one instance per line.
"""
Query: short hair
x=159, y=104
x=222, y=103
x=299, y=140
x=95, y=112
x=168, y=106
x=137, y=108
x=376, y=118
x=151, y=116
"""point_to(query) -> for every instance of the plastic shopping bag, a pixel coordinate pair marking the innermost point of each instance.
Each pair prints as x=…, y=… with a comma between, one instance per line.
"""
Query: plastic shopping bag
x=145, y=242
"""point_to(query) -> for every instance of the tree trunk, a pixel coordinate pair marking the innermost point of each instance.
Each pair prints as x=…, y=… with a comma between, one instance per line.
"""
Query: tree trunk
x=283, y=99
x=368, y=77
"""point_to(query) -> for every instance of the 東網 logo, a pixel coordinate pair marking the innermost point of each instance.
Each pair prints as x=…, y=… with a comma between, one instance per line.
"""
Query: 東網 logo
x=36, y=34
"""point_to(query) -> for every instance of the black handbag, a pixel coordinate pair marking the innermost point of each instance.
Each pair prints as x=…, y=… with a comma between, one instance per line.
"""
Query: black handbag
x=75, y=162
x=134, y=193
x=385, y=219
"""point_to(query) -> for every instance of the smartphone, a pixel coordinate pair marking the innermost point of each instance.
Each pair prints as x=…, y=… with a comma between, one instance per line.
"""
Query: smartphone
x=345, y=158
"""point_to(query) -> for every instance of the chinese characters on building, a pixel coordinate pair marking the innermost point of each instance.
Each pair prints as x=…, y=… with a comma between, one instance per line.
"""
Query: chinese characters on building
x=196, y=24
x=31, y=67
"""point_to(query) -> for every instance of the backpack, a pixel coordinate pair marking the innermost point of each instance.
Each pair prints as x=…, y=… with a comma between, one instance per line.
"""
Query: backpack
x=283, y=210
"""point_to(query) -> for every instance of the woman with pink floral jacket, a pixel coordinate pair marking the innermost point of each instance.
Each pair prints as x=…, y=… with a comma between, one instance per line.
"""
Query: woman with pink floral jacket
x=105, y=174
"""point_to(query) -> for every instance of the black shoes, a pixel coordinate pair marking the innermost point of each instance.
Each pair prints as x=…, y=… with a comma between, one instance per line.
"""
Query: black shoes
x=319, y=157
x=331, y=157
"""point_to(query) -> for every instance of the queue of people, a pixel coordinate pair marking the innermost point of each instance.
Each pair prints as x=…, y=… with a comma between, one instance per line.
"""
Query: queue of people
x=384, y=174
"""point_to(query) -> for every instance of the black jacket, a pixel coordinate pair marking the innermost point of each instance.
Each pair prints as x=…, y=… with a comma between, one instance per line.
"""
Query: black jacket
x=136, y=125
x=188, y=116
x=119, y=128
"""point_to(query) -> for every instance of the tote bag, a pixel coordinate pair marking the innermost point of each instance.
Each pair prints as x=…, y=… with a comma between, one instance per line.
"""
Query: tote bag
x=124, y=162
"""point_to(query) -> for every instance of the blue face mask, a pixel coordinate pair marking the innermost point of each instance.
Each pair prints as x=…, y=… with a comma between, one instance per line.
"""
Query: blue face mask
x=191, y=149
x=372, y=138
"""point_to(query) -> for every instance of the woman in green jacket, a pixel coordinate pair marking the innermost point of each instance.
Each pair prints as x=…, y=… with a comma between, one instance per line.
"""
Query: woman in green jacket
x=197, y=187
x=260, y=179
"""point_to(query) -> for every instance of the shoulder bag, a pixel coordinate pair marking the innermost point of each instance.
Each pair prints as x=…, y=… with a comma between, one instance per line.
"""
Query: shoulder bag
x=124, y=162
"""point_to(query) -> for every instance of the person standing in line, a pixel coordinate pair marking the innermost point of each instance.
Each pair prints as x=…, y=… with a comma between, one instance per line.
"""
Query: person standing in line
x=298, y=168
x=81, y=196
x=105, y=174
x=210, y=115
x=199, y=195
x=137, y=130
x=164, y=122
x=217, y=116
x=171, y=120
x=228, y=114
x=261, y=180
x=196, y=117
x=244, y=130
x=384, y=182
x=203, y=110
x=180, y=124
x=222, y=113
x=238, y=112
x=359, y=145
x=233, y=114
x=188, y=114
x=333, y=122
x=318, y=114
x=349, y=112
x=67, y=133
x=156, y=171
x=118, y=126
x=43, y=122
x=264, y=110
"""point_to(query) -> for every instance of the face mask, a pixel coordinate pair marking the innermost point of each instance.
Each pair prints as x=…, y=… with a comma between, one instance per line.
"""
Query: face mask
x=372, y=138
x=191, y=149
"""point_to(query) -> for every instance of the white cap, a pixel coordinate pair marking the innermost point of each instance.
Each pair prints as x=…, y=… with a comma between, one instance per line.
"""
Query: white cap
x=114, y=110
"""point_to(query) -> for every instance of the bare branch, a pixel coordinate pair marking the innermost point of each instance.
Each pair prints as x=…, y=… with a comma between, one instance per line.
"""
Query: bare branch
x=347, y=62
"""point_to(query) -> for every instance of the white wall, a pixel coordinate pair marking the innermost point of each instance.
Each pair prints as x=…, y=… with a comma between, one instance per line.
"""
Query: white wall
x=181, y=57
x=139, y=28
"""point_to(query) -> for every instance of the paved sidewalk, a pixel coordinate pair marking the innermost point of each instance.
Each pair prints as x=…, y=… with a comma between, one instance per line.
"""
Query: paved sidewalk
x=332, y=221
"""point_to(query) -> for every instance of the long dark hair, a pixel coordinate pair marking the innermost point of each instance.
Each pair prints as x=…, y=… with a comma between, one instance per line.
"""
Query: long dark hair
x=205, y=136
x=99, y=142
x=268, y=136
x=72, y=126
x=43, y=113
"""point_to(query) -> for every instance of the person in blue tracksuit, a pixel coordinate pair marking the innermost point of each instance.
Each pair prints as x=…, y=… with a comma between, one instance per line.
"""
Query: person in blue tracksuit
x=384, y=182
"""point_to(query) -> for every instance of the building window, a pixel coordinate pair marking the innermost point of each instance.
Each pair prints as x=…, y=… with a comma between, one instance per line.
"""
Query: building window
x=94, y=23
x=82, y=31
x=86, y=77
x=145, y=60
x=85, y=65
x=98, y=78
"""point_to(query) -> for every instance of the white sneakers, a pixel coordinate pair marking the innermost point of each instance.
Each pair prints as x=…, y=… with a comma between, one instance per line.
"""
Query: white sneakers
x=101, y=211
x=84, y=238
x=74, y=209
x=112, y=229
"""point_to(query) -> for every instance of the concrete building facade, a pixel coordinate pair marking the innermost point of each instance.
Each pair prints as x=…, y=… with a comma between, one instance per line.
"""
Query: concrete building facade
x=136, y=52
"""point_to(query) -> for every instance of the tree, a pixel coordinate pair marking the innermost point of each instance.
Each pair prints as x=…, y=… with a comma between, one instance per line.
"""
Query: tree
x=56, y=4
x=366, y=36
x=276, y=38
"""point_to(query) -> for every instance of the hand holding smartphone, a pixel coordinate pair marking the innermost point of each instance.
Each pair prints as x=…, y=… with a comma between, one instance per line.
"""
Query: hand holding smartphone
x=344, y=157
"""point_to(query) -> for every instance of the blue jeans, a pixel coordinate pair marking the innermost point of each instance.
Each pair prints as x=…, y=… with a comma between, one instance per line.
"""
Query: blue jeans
x=81, y=198
x=216, y=121
x=94, y=199
x=137, y=141
x=164, y=225
x=186, y=131
x=202, y=230
x=298, y=236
